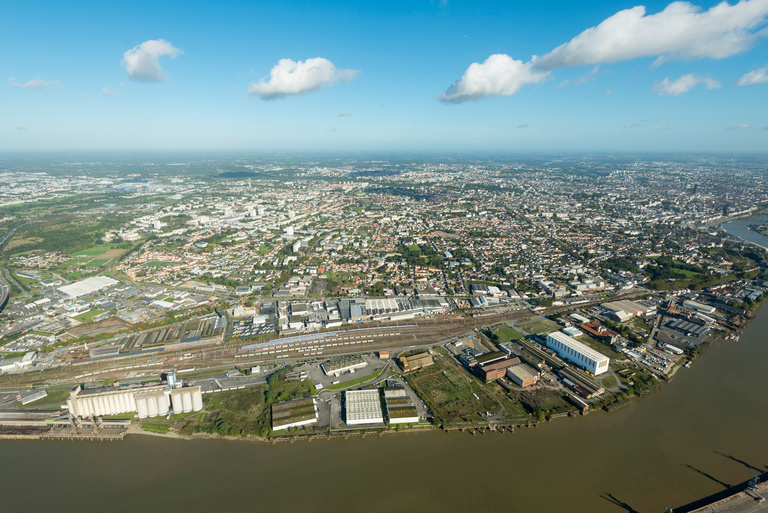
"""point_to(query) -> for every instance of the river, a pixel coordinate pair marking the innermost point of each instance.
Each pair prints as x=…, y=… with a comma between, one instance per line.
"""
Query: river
x=702, y=432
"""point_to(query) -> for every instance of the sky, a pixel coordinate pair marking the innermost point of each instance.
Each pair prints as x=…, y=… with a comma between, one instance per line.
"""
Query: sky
x=408, y=75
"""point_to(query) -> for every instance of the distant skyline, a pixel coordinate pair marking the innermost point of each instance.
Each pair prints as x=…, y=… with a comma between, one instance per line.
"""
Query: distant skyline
x=392, y=76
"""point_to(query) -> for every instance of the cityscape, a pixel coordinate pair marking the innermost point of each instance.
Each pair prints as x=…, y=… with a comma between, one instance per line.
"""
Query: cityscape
x=431, y=256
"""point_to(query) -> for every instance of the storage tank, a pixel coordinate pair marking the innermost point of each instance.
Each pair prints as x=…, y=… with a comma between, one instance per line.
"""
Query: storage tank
x=112, y=405
x=197, y=400
x=186, y=401
x=152, y=406
x=141, y=406
x=176, y=401
x=163, y=404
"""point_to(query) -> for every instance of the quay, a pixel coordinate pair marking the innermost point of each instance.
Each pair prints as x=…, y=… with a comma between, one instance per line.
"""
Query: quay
x=746, y=497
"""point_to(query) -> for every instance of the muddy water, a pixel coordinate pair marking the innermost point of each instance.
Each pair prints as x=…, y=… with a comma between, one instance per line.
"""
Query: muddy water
x=704, y=431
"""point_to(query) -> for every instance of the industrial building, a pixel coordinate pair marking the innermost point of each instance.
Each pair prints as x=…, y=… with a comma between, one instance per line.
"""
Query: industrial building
x=623, y=310
x=148, y=400
x=297, y=412
x=363, y=407
x=399, y=407
x=416, y=361
x=87, y=286
x=574, y=351
x=492, y=366
x=699, y=307
x=523, y=375
x=342, y=364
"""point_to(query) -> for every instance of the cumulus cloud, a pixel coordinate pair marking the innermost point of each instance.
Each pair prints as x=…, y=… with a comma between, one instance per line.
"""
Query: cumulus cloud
x=758, y=76
x=36, y=83
x=343, y=114
x=681, y=30
x=142, y=62
x=743, y=126
x=290, y=77
x=499, y=75
x=683, y=84
x=662, y=127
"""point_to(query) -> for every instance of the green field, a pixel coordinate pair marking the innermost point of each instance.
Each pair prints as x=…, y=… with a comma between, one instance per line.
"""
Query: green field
x=87, y=316
x=506, y=334
x=95, y=251
x=97, y=262
x=539, y=325
x=448, y=391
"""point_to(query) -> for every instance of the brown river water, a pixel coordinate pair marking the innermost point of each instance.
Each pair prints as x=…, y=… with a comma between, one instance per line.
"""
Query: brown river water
x=702, y=432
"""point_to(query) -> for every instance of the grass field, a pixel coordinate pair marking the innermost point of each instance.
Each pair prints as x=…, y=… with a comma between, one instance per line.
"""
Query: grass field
x=95, y=251
x=539, y=325
x=97, y=262
x=506, y=334
x=87, y=316
x=448, y=391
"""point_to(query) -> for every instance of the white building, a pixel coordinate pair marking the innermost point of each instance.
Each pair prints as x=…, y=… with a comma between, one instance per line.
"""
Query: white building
x=146, y=400
x=363, y=407
x=574, y=351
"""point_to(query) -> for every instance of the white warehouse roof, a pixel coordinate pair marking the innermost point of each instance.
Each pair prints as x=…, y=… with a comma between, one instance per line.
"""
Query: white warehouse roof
x=87, y=286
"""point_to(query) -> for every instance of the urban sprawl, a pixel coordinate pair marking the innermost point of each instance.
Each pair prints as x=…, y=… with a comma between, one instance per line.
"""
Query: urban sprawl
x=282, y=297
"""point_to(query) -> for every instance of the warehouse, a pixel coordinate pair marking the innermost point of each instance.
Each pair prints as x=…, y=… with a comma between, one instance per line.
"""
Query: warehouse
x=342, y=364
x=363, y=407
x=400, y=410
x=523, y=375
x=574, y=351
x=297, y=412
x=87, y=286
x=416, y=361
x=623, y=310
x=492, y=366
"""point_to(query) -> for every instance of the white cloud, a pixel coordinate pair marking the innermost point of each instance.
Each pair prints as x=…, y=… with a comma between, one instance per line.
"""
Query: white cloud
x=684, y=84
x=758, y=76
x=743, y=126
x=499, y=75
x=662, y=127
x=36, y=83
x=142, y=62
x=681, y=30
x=343, y=114
x=288, y=77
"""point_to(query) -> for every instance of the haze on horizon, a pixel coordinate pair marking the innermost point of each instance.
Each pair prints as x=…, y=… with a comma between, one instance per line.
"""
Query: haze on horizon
x=399, y=76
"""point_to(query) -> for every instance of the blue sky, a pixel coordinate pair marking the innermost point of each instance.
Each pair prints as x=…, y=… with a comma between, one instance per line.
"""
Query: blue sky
x=399, y=75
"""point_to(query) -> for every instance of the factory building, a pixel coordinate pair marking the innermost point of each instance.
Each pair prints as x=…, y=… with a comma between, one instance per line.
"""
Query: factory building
x=523, y=375
x=147, y=400
x=574, y=351
x=363, y=407
x=416, y=361
x=342, y=364
x=492, y=366
x=297, y=412
x=623, y=310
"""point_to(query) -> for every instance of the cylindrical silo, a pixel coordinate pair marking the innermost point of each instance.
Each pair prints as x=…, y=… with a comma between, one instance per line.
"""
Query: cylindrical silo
x=177, y=405
x=186, y=401
x=141, y=406
x=111, y=404
x=152, y=406
x=164, y=404
x=197, y=400
x=131, y=401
